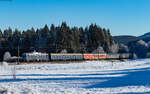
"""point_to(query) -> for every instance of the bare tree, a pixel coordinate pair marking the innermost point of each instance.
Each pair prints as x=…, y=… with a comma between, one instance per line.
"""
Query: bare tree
x=6, y=56
x=114, y=48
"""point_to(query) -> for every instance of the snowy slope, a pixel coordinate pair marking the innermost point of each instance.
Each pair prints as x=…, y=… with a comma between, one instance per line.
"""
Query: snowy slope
x=89, y=77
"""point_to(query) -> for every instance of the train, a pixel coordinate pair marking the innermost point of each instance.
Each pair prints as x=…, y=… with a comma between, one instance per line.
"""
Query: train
x=85, y=56
x=36, y=56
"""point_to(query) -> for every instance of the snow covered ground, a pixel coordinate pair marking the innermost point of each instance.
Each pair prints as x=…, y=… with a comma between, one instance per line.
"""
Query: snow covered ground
x=89, y=77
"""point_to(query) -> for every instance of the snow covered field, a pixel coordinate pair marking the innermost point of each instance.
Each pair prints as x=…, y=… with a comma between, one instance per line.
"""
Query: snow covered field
x=89, y=77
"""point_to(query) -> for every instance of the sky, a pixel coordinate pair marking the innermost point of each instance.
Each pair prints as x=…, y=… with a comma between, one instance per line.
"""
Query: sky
x=122, y=17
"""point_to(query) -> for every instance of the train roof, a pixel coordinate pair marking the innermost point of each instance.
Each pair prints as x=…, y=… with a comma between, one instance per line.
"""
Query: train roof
x=36, y=53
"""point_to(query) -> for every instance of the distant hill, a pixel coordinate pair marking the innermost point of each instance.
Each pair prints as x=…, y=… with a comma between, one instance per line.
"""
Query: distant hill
x=125, y=39
x=145, y=37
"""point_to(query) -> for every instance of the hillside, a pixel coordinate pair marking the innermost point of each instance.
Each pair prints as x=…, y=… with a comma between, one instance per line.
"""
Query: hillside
x=145, y=37
x=125, y=39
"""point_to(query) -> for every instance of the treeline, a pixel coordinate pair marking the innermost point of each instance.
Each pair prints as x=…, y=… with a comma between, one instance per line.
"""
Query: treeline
x=55, y=39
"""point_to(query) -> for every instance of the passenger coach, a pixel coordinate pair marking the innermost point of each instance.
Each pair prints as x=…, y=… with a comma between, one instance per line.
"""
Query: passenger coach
x=60, y=56
x=94, y=56
x=35, y=56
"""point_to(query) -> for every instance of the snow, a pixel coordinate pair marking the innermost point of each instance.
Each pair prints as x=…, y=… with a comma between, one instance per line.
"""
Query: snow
x=88, y=77
x=4, y=64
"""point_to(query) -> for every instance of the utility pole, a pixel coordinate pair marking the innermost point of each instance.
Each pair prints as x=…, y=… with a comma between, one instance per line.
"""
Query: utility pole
x=19, y=50
x=18, y=54
x=56, y=48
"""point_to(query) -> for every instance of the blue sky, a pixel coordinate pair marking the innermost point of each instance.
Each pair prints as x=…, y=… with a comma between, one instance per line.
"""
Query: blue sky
x=122, y=17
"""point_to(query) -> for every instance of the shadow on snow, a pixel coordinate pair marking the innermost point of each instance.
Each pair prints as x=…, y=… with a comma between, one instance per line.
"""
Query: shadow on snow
x=138, y=77
x=133, y=77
